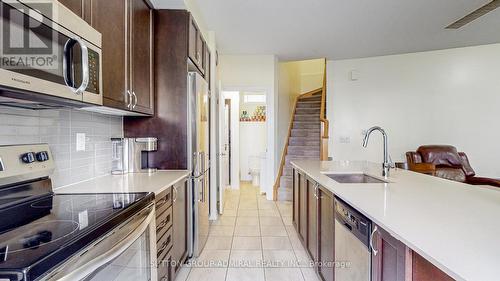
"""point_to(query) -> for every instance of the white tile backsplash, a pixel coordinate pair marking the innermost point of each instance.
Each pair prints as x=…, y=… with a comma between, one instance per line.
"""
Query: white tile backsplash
x=58, y=128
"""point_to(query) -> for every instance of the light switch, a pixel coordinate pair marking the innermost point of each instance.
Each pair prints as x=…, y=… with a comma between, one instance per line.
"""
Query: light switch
x=80, y=142
x=345, y=139
x=354, y=75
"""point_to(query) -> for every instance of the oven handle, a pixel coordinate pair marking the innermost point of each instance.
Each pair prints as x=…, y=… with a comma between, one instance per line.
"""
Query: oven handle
x=83, y=271
x=67, y=64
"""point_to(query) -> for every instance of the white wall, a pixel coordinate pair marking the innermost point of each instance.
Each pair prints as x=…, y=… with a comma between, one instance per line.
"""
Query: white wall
x=254, y=73
x=253, y=142
x=439, y=97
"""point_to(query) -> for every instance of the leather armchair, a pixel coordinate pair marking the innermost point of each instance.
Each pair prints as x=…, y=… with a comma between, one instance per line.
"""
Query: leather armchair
x=445, y=161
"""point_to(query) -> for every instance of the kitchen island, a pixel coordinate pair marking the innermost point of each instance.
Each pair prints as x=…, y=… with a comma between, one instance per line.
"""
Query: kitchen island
x=453, y=227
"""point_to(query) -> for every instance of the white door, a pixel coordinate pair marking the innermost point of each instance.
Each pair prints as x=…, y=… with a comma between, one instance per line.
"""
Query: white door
x=225, y=146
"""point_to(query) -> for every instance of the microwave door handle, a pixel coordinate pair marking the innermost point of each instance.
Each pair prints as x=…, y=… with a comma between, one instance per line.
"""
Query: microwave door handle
x=83, y=271
x=67, y=69
x=85, y=66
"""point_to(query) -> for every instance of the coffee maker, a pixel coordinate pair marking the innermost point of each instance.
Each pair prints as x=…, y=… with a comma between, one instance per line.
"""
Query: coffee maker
x=130, y=155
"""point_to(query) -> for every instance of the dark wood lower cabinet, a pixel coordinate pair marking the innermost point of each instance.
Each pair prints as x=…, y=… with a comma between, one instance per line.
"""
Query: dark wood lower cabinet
x=389, y=257
x=303, y=208
x=423, y=270
x=180, y=223
x=312, y=219
x=295, y=198
x=326, y=230
x=171, y=230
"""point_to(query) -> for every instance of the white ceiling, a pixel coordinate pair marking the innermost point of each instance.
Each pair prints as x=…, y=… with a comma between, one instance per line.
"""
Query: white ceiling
x=336, y=29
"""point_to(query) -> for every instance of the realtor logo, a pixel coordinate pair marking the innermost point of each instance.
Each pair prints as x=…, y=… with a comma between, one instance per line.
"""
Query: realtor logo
x=28, y=41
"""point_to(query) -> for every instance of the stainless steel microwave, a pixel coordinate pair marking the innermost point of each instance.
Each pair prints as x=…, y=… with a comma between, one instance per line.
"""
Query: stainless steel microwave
x=48, y=56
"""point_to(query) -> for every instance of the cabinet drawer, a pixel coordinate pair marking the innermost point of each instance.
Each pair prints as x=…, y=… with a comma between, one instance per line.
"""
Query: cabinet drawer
x=165, y=267
x=163, y=223
x=164, y=243
x=163, y=201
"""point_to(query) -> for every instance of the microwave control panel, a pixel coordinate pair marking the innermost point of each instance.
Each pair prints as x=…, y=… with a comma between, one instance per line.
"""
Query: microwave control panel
x=93, y=86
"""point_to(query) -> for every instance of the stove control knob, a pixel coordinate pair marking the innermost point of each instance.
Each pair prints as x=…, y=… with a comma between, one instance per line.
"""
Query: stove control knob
x=28, y=157
x=42, y=156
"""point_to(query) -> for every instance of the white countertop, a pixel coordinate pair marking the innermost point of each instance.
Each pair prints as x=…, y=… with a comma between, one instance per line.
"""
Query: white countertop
x=453, y=225
x=136, y=182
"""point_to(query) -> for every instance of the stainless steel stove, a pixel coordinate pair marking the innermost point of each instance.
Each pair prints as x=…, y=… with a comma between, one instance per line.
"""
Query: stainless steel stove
x=47, y=236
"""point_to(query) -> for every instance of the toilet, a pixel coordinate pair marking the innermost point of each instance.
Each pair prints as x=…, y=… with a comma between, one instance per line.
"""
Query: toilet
x=255, y=174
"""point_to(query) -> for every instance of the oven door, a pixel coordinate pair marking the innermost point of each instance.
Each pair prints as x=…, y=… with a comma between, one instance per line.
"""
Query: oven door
x=42, y=56
x=126, y=253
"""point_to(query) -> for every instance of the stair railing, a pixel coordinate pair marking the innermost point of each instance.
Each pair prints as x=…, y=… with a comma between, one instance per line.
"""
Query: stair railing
x=323, y=148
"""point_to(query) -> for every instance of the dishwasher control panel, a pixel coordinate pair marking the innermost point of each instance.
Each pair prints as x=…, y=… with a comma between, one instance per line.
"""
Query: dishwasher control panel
x=353, y=220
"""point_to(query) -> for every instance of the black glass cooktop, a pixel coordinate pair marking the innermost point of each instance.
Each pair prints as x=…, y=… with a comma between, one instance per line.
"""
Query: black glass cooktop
x=36, y=235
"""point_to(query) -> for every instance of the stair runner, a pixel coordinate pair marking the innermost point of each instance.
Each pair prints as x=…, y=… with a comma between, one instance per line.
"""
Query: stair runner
x=303, y=143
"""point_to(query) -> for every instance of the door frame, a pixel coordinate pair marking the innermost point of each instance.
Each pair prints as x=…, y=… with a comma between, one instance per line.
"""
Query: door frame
x=266, y=182
x=234, y=96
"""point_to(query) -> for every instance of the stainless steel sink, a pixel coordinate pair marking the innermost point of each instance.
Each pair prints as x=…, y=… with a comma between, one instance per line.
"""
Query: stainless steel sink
x=354, y=178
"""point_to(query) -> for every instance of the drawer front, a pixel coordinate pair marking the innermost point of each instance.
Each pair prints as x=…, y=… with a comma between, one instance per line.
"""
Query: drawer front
x=164, y=243
x=163, y=223
x=163, y=201
x=165, y=267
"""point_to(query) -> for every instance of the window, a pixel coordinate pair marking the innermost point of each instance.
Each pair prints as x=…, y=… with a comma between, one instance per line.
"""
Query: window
x=254, y=98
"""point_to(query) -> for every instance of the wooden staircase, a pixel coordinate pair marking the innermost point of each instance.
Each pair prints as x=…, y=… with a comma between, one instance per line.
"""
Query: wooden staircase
x=307, y=138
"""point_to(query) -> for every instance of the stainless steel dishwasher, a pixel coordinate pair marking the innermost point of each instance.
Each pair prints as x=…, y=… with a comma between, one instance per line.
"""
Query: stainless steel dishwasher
x=352, y=244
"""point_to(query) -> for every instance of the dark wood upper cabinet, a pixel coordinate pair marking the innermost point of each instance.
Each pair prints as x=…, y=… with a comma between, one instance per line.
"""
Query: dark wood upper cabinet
x=127, y=50
x=141, y=63
x=312, y=219
x=115, y=58
x=196, y=47
x=326, y=230
x=389, y=257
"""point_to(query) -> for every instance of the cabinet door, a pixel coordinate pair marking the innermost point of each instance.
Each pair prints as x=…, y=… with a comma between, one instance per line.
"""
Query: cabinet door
x=303, y=208
x=388, y=257
x=295, y=199
x=200, y=49
x=326, y=230
x=312, y=219
x=76, y=6
x=114, y=49
x=193, y=40
x=423, y=270
x=141, y=56
x=207, y=61
x=179, y=224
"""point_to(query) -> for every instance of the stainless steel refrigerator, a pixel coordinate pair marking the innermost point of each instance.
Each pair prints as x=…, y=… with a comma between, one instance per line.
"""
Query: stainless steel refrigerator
x=198, y=161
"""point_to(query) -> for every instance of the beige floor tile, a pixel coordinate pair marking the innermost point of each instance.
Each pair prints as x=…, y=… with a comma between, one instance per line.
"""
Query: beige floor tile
x=246, y=243
x=207, y=274
x=221, y=230
x=213, y=258
x=219, y=243
x=247, y=221
x=183, y=274
x=248, y=207
x=287, y=220
x=276, y=243
x=280, y=258
x=245, y=258
x=303, y=258
x=230, y=212
x=269, y=213
x=278, y=230
x=245, y=274
x=308, y=273
x=271, y=221
x=225, y=220
x=248, y=213
x=282, y=274
x=247, y=230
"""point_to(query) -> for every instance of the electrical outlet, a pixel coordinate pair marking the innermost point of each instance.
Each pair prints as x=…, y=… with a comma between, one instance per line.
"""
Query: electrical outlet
x=345, y=139
x=80, y=142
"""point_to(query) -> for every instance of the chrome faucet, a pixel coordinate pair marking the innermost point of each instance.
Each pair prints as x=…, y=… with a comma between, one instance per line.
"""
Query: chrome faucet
x=386, y=166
